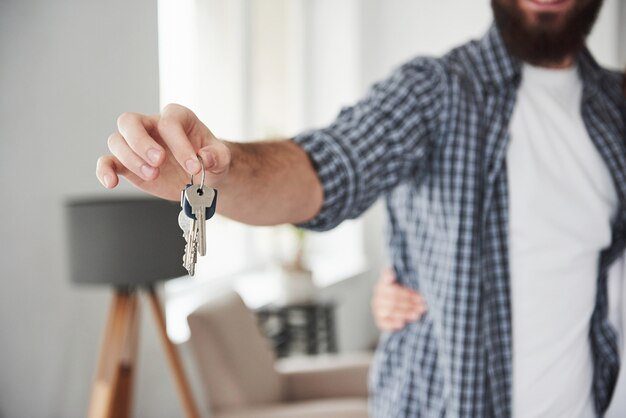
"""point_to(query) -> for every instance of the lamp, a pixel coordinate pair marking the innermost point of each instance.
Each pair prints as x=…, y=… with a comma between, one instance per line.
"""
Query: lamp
x=129, y=244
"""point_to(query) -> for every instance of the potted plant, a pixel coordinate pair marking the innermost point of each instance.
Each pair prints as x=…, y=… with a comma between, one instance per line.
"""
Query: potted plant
x=295, y=280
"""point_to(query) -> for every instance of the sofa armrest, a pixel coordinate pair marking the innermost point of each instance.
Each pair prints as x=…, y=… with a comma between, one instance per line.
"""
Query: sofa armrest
x=327, y=376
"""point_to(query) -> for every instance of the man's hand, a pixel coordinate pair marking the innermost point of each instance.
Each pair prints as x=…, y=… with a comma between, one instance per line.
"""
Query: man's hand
x=393, y=306
x=158, y=153
x=265, y=183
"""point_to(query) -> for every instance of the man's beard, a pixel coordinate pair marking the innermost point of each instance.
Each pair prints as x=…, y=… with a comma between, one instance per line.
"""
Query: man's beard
x=545, y=42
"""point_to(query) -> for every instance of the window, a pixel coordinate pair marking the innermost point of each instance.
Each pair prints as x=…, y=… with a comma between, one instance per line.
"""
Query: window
x=243, y=67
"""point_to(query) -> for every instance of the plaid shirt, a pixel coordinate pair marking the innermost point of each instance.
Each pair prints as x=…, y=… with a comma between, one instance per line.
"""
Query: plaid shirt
x=432, y=139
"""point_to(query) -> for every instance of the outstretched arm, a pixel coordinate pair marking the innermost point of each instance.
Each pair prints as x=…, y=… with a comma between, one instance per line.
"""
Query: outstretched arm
x=259, y=183
x=323, y=176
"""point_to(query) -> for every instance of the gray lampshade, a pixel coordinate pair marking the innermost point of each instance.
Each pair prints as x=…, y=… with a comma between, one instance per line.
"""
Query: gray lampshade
x=124, y=242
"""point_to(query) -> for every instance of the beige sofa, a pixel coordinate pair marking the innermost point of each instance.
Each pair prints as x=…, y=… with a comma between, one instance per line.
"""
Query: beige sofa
x=242, y=378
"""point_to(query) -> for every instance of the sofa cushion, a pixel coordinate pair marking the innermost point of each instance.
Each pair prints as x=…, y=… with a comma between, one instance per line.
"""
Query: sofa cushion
x=325, y=376
x=335, y=408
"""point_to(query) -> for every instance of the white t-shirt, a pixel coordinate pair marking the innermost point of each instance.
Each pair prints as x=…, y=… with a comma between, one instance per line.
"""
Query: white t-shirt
x=562, y=201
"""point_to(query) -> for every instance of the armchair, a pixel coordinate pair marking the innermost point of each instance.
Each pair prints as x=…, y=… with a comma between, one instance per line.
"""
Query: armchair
x=242, y=379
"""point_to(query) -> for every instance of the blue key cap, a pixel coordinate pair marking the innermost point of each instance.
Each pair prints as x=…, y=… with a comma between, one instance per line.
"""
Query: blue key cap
x=210, y=210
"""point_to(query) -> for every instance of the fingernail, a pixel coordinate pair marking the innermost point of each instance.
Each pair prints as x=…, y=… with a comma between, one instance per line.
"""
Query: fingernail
x=192, y=165
x=107, y=180
x=147, y=171
x=154, y=155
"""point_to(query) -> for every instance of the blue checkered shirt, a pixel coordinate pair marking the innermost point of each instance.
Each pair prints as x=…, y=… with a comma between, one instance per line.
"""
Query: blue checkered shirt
x=432, y=140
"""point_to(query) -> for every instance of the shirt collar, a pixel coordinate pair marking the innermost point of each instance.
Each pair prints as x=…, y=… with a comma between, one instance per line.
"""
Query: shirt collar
x=590, y=71
x=499, y=67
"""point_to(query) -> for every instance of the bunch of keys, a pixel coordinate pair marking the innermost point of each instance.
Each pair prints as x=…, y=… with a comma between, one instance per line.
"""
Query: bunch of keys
x=198, y=204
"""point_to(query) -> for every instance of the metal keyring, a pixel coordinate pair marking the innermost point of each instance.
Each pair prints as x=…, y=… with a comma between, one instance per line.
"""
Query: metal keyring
x=203, y=173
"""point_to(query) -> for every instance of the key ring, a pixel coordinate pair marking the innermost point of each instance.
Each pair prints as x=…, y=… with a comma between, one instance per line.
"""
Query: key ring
x=203, y=173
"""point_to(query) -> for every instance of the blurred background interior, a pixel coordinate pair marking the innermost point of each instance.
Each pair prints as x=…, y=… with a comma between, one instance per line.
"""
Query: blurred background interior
x=249, y=69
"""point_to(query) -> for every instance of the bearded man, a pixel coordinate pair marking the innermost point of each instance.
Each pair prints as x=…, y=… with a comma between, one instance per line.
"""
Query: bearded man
x=503, y=165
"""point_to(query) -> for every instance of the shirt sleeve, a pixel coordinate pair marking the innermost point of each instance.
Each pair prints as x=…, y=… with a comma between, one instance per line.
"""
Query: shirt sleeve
x=375, y=144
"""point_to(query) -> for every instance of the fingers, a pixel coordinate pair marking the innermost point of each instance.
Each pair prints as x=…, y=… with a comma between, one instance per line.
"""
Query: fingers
x=108, y=170
x=401, y=303
x=398, y=295
x=174, y=125
x=120, y=148
x=394, y=320
x=183, y=134
x=105, y=171
x=390, y=324
x=157, y=153
x=132, y=127
x=216, y=157
x=142, y=143
x=394, y=306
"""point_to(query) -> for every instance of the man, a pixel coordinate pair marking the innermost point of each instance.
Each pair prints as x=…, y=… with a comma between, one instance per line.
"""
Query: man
x=503, y=166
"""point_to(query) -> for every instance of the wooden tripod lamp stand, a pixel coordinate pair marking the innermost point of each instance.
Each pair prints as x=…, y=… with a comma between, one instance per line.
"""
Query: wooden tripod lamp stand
x=130, y=245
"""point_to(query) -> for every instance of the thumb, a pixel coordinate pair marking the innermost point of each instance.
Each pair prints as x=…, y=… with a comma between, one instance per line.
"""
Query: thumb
x=215, y=157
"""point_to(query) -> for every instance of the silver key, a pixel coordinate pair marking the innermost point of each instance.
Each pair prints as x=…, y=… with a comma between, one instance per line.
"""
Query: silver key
x=184, y=222
x=191, y=249
x=200, y=198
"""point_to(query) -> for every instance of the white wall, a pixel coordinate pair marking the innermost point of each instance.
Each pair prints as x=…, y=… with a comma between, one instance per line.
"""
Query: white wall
x=394, y=31
x=67, y=69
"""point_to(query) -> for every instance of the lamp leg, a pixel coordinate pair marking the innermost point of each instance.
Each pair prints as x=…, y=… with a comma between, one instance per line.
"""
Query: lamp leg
x=184, y=391
x=123, y=399
x=111, y=391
